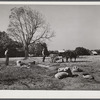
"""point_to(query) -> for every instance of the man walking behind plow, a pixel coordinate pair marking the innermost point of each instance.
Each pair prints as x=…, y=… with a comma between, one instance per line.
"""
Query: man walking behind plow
x=44, y=53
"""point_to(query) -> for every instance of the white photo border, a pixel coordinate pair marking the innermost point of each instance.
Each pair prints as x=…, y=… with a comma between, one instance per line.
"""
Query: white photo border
x=46, y=94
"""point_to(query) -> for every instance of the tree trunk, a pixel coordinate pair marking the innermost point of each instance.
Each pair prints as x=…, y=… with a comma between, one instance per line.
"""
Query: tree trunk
x=26, y=51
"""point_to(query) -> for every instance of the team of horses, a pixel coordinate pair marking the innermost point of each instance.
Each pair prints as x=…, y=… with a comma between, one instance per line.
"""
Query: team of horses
x=68, y=55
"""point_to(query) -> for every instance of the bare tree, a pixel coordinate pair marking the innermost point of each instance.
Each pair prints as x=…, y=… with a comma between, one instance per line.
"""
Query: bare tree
x=28, y=26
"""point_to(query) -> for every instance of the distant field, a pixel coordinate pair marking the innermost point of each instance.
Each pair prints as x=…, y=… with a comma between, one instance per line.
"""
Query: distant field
x=38, y=78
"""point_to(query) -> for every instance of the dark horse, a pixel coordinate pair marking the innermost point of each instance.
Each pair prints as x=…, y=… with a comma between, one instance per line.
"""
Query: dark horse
x=69, y=55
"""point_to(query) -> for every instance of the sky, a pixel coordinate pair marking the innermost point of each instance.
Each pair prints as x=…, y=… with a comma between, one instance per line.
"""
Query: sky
x=74, y=25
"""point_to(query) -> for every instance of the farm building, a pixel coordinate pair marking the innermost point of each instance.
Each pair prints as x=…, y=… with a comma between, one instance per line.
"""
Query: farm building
x=94, y=52
x=61, y=51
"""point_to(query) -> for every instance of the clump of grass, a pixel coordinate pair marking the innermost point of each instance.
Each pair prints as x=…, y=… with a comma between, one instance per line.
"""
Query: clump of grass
x=52, y=73
x=49, y=84
x=11, y=73
x=15, y=73
x=35, y=78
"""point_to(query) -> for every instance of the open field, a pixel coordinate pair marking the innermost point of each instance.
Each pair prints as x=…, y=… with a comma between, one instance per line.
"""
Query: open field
x=41, y=78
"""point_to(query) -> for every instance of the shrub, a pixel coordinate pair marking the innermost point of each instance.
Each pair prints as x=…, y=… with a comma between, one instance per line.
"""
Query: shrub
x=82, y=51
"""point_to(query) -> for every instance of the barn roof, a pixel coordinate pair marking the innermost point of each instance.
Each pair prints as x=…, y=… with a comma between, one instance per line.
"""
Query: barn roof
x=94, y=52
x=61, y=51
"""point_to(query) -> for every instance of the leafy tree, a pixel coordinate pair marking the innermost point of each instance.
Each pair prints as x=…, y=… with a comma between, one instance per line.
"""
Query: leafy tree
x=82, y=51
x=28, y=26
x=6, y=42
x=36, y=49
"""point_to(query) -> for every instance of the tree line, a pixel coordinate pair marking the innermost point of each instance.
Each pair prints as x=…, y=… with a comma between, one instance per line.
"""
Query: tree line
x=35, y=49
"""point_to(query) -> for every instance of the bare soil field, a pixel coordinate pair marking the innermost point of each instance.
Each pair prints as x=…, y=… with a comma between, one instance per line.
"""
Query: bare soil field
x=42, y=78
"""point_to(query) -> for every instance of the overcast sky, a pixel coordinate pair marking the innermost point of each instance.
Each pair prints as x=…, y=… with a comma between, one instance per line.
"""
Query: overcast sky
x=74, y=25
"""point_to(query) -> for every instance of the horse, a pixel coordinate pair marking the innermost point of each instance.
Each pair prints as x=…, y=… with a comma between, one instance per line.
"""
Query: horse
x=67, y=55
x=70, y=55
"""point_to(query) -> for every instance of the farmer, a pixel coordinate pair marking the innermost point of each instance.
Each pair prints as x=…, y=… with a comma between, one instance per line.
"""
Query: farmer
x=7, y=57
x=44, y=53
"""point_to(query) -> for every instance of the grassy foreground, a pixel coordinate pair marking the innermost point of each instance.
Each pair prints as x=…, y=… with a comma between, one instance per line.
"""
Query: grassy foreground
x=40, y=78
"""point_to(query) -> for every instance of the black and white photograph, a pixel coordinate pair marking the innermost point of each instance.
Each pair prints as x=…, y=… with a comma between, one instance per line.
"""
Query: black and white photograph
x=49, y=47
